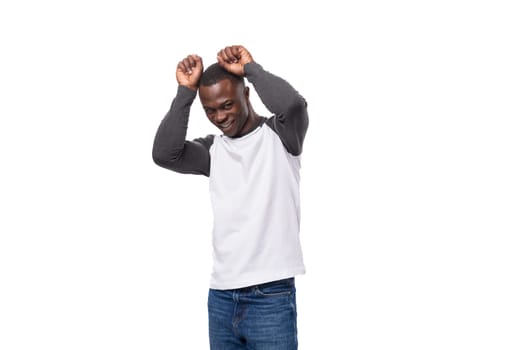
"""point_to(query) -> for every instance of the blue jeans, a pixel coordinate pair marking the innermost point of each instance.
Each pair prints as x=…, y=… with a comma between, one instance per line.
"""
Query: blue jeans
x=260, y=317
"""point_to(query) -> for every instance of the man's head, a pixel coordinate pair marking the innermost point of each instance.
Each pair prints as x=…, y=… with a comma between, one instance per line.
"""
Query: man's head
x=225, y=100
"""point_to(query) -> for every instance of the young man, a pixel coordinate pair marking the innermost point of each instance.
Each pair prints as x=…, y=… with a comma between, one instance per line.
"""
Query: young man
x=254, y=188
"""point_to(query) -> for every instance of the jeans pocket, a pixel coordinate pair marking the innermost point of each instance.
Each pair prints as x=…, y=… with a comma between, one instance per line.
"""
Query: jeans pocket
x=275, y=289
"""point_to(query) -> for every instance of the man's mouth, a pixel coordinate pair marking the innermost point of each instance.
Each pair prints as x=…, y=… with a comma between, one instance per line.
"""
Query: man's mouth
x=226, y=125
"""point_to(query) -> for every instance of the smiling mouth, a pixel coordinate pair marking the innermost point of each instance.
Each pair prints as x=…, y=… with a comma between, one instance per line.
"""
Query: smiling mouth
x=225, y=125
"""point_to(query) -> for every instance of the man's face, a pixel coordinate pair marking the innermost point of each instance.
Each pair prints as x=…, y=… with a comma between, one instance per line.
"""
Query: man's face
x=226, y=106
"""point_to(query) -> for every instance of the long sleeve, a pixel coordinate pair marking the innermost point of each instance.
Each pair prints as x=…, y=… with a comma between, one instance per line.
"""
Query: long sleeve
x=290, y=119
x=171, y=150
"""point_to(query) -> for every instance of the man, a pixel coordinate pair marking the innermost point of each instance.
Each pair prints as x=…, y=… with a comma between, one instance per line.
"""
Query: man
x=253, y=169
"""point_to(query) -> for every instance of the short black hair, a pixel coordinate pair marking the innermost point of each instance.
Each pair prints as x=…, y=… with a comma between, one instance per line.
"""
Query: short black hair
x=215, y=73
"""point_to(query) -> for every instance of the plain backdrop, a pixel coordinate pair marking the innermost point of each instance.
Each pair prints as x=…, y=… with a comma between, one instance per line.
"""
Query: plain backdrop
x=413, y=195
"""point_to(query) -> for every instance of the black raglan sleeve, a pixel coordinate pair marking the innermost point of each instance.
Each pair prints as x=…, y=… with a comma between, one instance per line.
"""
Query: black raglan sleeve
x=171, y=150
x=290, y=120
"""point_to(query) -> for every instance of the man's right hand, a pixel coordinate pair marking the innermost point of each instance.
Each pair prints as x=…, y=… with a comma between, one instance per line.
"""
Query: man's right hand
x=189, y=71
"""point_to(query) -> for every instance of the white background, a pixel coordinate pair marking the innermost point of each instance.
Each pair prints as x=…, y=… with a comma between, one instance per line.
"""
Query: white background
x=413, y=171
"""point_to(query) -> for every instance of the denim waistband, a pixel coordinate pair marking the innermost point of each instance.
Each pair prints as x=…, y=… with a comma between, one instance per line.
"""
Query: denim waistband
x=287, y=281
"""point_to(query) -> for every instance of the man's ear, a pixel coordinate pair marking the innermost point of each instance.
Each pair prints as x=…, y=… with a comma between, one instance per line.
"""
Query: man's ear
x=247, y=92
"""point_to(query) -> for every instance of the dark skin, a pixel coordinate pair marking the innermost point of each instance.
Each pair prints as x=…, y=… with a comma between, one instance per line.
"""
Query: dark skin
x=226, y=103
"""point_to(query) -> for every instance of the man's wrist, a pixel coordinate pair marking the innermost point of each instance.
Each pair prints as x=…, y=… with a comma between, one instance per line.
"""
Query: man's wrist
x=191, y=87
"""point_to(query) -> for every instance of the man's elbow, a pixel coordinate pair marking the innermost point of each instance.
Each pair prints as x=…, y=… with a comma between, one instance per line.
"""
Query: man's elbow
x=163, y=159
x=298, y=108
x=158, y=160
x=157, y=155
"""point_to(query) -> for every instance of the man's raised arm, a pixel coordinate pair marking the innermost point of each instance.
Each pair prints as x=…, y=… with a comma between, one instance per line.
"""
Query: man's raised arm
x=279, y=97
x=171, y=150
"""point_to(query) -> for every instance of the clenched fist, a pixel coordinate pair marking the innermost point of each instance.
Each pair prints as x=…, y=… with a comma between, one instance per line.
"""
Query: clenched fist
x=233, y=59
x=189, y=72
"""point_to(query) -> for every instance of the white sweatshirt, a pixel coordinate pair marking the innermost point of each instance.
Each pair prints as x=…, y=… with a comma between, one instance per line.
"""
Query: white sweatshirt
x=254, y=189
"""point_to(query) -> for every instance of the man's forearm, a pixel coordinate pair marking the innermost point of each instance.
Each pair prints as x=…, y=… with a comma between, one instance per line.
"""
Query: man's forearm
x=171, y=134
x=280, y=98
x=276, y=93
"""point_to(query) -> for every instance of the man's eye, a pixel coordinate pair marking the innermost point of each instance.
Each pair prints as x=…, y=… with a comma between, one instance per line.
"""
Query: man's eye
x=208, y=111
x=228, y=105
